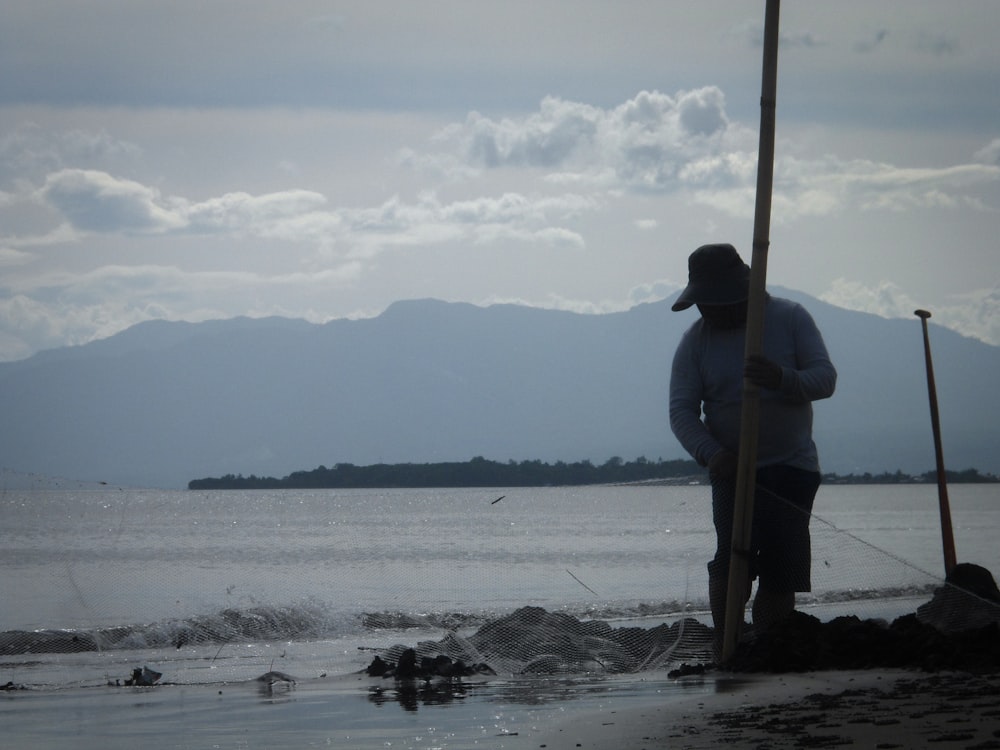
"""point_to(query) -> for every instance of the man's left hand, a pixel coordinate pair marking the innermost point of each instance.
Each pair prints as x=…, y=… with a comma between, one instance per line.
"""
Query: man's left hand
x=762, y=372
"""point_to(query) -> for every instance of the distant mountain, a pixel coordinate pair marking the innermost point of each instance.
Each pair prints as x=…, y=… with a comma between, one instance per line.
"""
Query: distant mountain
x=427, y=381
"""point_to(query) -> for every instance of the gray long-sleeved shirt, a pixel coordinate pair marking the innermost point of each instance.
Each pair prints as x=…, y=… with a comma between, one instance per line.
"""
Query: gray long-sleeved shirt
x=707, y=374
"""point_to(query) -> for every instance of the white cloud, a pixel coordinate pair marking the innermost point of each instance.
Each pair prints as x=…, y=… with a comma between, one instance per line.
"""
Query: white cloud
x=60, y=308
x=830, y=186
x=686, y=143
x=646, y=142
x=11, y=257
x=884, y=299
x=975, y=314
x=266, y=215
x=990, y=153
x=97, y=202
x=30, y=151
x=653, y=291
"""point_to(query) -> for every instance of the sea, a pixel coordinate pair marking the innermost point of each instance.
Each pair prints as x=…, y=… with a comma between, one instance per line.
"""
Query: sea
x=215, y=587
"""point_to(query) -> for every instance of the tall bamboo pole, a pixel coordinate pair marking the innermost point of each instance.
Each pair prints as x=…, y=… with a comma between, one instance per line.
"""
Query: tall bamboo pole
x=746, y=473
x=947, y=535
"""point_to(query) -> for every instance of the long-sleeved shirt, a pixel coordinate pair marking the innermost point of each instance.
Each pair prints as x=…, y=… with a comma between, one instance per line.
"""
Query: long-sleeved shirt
x=707, y=374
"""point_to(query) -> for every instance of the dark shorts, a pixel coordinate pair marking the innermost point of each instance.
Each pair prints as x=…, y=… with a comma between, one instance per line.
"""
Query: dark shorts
x=780, y=553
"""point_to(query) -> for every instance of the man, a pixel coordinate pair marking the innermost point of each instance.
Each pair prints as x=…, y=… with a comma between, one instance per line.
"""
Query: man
x=707, y=375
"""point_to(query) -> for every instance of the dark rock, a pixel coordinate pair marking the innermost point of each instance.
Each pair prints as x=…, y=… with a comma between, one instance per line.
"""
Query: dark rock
x=969, y=600
x=144, y=677
x=803, y=643
x=378, y=668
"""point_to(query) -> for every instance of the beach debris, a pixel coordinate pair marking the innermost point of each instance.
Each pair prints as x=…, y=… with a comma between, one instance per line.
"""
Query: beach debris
x=968, y=600
x=407, y=667
x=532, y=640
x=274, y=677
x=143, y=677
x=273, y=682
x=802, y=643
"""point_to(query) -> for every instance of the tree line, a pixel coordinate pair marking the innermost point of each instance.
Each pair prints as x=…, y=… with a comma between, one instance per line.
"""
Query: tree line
x=482, y=472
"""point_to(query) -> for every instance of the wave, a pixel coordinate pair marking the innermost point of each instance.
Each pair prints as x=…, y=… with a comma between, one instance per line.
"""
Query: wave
x=260, y=623
x=315, y=620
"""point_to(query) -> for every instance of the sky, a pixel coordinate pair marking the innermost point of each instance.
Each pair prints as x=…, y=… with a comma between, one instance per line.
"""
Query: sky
x=195, y=160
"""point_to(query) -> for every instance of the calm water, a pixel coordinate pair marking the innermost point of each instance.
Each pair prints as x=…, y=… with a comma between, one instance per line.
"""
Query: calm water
x=290, y=580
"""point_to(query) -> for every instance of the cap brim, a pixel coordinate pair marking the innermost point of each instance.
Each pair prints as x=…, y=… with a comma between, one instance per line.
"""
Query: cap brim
x=694, y=294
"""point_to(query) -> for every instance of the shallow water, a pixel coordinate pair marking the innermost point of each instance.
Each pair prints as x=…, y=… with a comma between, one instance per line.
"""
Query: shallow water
x=211, y=587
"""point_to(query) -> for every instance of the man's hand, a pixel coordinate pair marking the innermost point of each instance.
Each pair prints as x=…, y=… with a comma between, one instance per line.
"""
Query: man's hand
x=723, y=464
x=762, y=372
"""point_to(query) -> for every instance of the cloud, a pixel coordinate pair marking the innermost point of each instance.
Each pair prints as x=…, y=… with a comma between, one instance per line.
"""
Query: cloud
x=884, y=298
x=64, y=309
x=752, y=35
x=30, y=151
x=549, y=138
x=27, y=325
x=870, y=185
x=649, y=142
x=937, y=44
x=975, y=314
x=95, y=201
x=653, y=291
x=868, y=46
x=830, y=186
x=270, y=215
x=534, y=219
x=11, y=257
x=990, y=153
x=655, y=143
x=57, y=306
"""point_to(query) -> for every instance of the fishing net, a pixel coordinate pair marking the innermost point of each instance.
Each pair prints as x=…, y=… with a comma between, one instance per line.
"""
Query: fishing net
x=116, y=585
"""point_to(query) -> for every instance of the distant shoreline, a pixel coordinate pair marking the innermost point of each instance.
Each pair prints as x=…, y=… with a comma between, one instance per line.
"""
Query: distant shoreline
x=481, y=472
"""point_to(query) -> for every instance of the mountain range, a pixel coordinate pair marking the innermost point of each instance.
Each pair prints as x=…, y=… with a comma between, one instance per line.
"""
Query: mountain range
x=426, y=381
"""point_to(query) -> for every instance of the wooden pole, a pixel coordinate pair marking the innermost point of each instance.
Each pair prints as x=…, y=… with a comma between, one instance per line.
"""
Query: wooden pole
x=947, y=536
x=746, y=473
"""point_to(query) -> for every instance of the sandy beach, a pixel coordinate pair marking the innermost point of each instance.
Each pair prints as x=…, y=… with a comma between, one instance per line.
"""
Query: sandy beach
x=873, y=709
x=836, y=709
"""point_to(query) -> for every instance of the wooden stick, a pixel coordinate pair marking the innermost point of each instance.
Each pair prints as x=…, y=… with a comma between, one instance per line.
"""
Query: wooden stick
x=947, y=536
x=746, y=473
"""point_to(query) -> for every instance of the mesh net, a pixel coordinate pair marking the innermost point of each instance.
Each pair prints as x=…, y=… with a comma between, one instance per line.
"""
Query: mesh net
x=107, y=584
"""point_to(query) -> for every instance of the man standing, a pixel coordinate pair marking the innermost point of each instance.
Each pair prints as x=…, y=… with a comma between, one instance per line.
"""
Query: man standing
x=707, y=377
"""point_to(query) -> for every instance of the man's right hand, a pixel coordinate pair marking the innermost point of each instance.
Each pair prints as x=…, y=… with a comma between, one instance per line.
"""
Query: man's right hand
x=723, y=464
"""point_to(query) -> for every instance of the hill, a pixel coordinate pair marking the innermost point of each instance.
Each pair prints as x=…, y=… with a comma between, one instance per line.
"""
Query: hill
x=430, y=381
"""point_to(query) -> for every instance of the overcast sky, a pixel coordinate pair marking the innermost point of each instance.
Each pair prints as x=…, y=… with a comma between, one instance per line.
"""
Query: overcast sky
x=202, y=159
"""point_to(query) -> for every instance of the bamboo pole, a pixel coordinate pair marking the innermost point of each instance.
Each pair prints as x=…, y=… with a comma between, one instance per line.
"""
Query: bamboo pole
x=746, y=473
x=947, y=536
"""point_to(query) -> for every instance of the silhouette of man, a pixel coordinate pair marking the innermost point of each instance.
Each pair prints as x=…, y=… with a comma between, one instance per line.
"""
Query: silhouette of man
x=706, y=394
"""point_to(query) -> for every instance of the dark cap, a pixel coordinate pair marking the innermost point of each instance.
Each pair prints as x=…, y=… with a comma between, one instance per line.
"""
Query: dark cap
x=716, y=276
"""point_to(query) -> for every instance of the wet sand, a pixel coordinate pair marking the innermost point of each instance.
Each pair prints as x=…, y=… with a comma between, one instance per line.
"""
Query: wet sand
x=839, y=709
x=874, y=709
